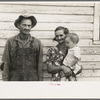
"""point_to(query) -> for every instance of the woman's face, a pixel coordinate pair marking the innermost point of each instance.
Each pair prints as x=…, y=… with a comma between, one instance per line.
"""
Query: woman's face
x=60, y=36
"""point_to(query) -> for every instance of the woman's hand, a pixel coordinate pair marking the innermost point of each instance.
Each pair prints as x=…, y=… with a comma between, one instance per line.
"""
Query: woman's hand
x=53, y=68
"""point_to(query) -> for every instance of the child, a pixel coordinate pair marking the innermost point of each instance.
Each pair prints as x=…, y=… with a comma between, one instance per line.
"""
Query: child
x=73, y=57
x=55, y=57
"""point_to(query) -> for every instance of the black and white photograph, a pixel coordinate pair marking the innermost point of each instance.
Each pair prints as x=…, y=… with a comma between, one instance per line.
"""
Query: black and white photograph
x=52, y=42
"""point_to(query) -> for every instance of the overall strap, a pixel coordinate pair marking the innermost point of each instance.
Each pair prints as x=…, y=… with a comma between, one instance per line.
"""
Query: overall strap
x=17, y=45
x=14, y=56
x=31, y=43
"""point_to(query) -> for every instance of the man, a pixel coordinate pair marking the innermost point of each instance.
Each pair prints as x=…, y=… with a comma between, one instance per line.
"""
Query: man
x=23, y=53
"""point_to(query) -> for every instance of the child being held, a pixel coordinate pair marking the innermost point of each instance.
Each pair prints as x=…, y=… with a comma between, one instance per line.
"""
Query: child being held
x=73, y=57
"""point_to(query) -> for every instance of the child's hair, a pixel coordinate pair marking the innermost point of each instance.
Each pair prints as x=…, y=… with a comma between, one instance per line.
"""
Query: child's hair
x=66, y=31
x=73, y=37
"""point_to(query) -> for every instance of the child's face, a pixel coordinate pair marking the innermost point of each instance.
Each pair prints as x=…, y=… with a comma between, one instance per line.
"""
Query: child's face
x=69, y=43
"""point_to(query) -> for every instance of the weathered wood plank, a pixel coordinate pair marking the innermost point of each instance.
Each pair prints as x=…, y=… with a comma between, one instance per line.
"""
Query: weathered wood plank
x=84, y=73
x=90, y=57
x=90, y=73
x=90, y=50
x=51, y=3
x=87, y=75
x=84, y=42
x=70, y=26
x=89, y=79
x=83, y=34
x=10, y=17
x=49, y=42
x=1, y=50
x=84, y=58
x=85, y=50
x=2, y=42
x=86, y=65
x=50, y=26
x=91, y=65
x=80, y=79
x=45, y=34
x=53, y=43
x=45, y=9
x=66, y=4
x=94, y=76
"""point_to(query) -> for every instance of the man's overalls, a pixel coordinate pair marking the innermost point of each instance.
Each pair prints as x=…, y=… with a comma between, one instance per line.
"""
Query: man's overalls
x=24, y=64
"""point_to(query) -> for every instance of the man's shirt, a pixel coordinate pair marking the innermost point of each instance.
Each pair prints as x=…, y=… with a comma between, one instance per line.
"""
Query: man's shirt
x=10, y=48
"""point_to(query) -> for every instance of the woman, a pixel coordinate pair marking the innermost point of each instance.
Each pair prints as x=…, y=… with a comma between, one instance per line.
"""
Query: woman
x=60, y=34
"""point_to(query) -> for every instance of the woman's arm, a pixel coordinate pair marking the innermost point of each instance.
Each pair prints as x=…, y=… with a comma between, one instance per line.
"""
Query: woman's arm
x=74, y=61
x=51, y=58
x=53, y=69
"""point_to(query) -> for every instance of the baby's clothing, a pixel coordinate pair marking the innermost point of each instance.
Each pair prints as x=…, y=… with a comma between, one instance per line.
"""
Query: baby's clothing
x=72, y=54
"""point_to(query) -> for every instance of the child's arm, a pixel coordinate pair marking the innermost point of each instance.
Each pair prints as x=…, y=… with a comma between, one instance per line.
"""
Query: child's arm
x=74, y=62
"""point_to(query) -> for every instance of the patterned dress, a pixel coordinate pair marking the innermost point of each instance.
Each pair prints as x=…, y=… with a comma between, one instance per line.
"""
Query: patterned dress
x=55, y=57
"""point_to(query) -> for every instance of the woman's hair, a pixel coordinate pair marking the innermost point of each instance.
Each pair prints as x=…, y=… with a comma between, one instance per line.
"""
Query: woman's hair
x=66, y=31
x=73, y=37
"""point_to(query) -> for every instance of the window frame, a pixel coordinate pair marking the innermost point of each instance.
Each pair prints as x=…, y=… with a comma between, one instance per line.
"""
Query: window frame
x=96, y=32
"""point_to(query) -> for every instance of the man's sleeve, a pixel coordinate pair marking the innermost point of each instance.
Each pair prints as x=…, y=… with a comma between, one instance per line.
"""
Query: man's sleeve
x=40, y=62
x=6, y=60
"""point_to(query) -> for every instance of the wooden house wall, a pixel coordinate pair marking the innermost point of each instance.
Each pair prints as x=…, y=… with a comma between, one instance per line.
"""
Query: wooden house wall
x=77, y=17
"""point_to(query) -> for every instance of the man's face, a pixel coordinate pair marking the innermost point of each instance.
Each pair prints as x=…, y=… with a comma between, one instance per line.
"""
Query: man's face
x=25, y=26
x=60, y=36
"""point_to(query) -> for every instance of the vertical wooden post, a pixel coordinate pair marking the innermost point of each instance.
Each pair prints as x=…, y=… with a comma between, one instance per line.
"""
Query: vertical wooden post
x=96, y=33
